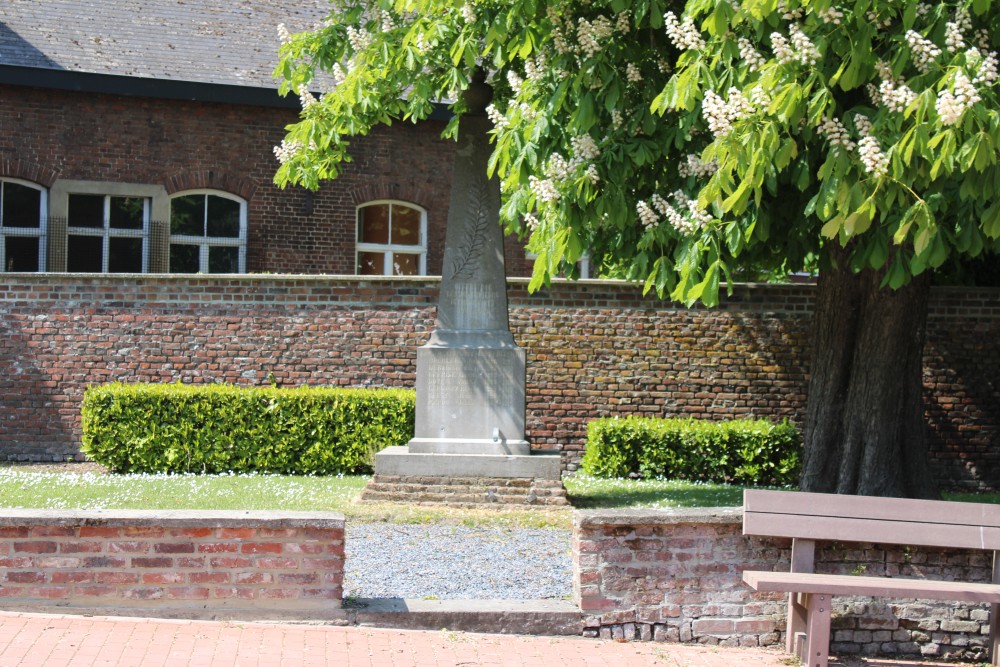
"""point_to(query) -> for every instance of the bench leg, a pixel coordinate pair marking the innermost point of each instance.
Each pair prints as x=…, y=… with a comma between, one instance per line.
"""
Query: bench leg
x=795, y=628
x=818, y=630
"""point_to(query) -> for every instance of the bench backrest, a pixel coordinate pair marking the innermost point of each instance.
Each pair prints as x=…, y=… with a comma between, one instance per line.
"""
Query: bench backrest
x=824, y=516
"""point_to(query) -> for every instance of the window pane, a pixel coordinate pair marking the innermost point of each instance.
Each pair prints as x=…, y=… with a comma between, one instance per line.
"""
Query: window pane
x=223, y=259
x=405, y=225
x=86, y=211
x=187, y=215
x=21, y=253
x=84, y=254
x=373, y=224
x=125, y=255
x=405, y=265
x=21, y=206
x=184, y=258
x=127, y=212
x=223, y=217
x=371, y=263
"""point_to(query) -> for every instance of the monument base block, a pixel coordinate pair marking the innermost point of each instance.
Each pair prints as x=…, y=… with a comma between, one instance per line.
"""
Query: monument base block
x=466, y=479
x=402, y=461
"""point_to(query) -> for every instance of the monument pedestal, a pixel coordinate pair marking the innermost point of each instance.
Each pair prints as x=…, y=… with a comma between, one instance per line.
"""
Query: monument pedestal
x=469, y=445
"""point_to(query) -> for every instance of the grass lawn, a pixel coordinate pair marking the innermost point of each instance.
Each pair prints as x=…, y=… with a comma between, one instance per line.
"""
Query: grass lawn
x=35, y=487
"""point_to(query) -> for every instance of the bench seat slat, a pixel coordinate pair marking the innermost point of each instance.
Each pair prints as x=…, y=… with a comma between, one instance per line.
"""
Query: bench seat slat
x=842, y=584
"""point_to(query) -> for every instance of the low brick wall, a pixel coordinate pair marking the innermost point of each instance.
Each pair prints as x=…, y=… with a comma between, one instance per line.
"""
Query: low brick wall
x=188, y=564
x=675, y=575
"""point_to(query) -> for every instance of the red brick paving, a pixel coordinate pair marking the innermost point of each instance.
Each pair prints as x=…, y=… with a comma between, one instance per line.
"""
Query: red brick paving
x=36, y=640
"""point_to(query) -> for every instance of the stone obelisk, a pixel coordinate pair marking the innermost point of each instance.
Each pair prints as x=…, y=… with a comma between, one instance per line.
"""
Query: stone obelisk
x=471, y=373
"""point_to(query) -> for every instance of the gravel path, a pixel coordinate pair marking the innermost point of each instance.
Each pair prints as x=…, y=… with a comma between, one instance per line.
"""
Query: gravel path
x=448, y=562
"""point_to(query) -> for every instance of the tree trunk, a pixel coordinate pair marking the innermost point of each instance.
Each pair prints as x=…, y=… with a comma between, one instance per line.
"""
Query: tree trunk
x=864, y=431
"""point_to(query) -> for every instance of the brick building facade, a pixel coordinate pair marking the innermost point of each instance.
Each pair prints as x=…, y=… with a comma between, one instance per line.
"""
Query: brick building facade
x=111, y=131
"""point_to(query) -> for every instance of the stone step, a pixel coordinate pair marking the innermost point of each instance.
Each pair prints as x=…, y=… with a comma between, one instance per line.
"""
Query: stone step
x=465, y=491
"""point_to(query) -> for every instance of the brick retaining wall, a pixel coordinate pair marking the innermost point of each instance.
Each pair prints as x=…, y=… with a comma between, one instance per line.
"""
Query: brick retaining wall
x=594, y=348
x=675, y=575
x=188, y=564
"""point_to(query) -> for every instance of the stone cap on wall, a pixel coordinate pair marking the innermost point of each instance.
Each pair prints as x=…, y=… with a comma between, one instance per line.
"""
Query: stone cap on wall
x=170, y=518
x=657, y=517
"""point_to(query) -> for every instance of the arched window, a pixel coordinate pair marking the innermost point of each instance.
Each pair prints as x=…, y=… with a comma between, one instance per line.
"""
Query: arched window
x=208, y=233
x=23, y=217
x=392, y=239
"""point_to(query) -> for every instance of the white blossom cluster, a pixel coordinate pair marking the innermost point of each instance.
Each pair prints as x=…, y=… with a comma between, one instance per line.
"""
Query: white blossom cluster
x=388, y=22
x=632, y=73
x=874, y=159
x=874, y=19
x=498, y=119
x=831, y=15
x=559, y=41
x=652, y=212
x=805, y=51
x=623, y=23
x=287, y=151
x=544, y=189
x=589, y=35
x=535, y=68
x=891, y=93
x=749, y=54
x=925, y=52
x=468, y=13
x=284, y=36
x=616, y=118
x=954, y=38
x=836, y=134
x=986, y=74
x=789, y=14
x=800, y=49
x=983, y=40
x=305, y=97
x=360, y=39
x=339, y=74
x=531, y=222
x=584, y=147
x=693, y=165
x=951, y=105
x=647, y=216
x=721, y=114
x=685, y=36
x=515, y=81
x=923, y=9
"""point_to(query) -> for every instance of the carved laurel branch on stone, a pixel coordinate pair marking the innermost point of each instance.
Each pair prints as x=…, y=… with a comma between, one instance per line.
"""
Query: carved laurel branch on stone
x=478, y=221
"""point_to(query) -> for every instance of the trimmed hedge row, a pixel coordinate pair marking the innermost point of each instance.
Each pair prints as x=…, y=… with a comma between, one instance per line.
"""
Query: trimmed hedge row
x=222, y=428
x=740, y=452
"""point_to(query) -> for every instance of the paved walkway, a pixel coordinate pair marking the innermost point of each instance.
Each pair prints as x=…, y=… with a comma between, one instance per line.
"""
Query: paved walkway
x=36, y=640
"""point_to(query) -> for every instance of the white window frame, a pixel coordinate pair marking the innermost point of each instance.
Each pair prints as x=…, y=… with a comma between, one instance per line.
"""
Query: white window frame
x=388, y=249
x=40, y=232
x=106, y=232
x=206, y=242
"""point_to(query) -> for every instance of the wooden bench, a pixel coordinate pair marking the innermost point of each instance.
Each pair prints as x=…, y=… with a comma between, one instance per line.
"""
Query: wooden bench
x=808, y=517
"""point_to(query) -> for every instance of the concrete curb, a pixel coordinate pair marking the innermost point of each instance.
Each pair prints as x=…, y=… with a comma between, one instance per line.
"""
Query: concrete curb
x=523, y=617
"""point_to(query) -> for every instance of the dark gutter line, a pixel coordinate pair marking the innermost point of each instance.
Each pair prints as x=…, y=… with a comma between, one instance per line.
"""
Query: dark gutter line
x=166, y=89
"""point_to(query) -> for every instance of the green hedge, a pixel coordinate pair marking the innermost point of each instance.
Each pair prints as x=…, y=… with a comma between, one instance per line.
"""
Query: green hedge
x=740, y=452
x=221, y=428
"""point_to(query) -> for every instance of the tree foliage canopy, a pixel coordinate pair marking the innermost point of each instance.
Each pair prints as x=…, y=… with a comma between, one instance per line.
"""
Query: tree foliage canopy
x=681, y=145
